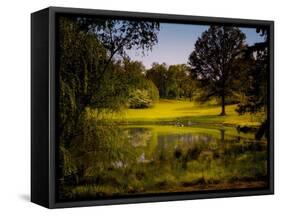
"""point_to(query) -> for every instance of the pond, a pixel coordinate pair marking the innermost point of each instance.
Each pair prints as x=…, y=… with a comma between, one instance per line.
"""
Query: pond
x=153, y=159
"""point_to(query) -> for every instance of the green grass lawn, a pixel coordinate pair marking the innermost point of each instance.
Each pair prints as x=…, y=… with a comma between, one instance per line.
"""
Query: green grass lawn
x=186, y=111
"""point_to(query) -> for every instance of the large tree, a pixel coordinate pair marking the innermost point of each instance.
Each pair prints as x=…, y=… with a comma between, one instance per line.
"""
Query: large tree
x=213, y=62
x=179, y=83
x=158, y=74
x=89, y=73
x=91, y=76
x=119, y=36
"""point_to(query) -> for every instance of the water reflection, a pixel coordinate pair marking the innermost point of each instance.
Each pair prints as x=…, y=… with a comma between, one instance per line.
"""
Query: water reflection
x=157, y=159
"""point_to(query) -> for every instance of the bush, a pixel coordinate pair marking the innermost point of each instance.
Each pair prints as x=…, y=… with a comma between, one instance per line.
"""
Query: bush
x=152, y=90
x=144, y=94
x=139, y=99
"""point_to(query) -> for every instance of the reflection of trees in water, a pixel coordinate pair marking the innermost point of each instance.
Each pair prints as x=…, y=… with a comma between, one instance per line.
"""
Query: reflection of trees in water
x=98, y=149
x=135, y=160
x=222, y=132
x=139, y=136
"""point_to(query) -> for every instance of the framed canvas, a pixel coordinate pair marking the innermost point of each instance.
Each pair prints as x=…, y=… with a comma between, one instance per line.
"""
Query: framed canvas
x=138, y=107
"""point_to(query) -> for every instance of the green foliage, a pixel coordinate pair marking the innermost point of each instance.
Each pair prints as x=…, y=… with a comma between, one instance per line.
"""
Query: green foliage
x=90, y=78
x=80, y=58
x=134, y=68
x=158, y=75
x=162, y=161
x=255, y=92
x=151, y=89
x=180, y=84
x=173, y=81
x=175, y=75
x=214, y=59
x=69, y=165
x=97, y=80
x=98, y=139
x=88, y=74
x=143, y=92
x=117, y=35
x=147, y=86
x=139, y=99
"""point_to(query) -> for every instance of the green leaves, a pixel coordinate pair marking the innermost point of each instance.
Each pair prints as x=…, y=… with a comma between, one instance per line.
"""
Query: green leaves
x=118, y=36
x=173, y=81
x=139, y=99
x=213, y=61
x=90, y=77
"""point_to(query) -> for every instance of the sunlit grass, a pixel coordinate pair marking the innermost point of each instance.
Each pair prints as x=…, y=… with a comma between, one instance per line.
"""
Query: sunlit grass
x=186, y=111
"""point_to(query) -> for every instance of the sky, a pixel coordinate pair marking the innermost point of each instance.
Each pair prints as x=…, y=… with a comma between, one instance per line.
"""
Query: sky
x=176, y=42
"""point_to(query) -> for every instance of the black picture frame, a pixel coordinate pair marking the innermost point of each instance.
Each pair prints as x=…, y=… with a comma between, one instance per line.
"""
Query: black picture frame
x=44, y=104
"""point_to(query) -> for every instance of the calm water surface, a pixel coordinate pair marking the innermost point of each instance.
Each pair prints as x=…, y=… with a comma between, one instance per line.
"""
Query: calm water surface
x=160, y=159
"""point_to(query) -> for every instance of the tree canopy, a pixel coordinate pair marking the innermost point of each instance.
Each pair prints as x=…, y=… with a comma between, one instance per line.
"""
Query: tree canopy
x=173, y=81
x=213, y=62
x=255, y=93
x=89, y=73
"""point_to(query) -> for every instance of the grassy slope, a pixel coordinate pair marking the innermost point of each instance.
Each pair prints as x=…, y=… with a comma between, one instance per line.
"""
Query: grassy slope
x=184, y=111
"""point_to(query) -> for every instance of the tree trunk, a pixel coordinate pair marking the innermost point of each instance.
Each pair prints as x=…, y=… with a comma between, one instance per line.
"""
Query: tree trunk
x=222, y=105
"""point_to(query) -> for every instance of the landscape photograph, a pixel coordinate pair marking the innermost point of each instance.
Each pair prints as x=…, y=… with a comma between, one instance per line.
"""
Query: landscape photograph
x=147, y=107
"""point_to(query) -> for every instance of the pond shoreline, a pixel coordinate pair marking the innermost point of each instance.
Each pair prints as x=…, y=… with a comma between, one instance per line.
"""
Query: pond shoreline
x=176, y=123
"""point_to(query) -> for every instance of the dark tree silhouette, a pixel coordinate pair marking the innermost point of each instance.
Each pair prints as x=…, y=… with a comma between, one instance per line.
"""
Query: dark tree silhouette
x=255, y=92
x=119, y=36
x=213, y=62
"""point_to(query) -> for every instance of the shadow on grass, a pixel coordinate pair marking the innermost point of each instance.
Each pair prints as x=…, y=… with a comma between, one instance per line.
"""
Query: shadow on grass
x=206, y=119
